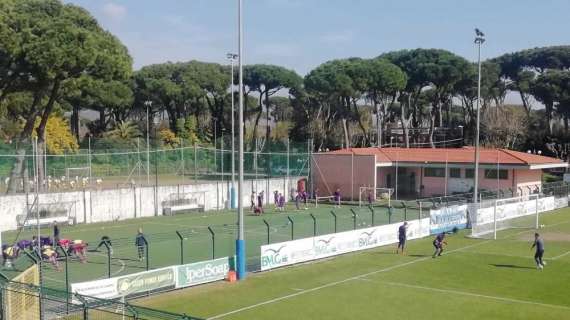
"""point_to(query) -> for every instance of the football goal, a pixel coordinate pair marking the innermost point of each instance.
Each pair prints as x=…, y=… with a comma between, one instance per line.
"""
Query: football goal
x=496, y=215
x=78, y=173
x=184, y=202
x=371, y=195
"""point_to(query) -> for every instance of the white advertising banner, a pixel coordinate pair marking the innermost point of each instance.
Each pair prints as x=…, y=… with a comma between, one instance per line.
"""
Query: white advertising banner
x=448, y=218
x=514, y=210
x=302, y=250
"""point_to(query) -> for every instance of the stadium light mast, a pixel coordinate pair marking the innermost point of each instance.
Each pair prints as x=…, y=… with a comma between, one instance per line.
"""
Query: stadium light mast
x=148, y=105
x=240, y=242
x=479, y=40
x=232, y=57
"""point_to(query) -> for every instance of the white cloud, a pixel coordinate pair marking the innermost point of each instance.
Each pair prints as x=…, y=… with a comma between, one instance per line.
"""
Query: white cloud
x=115, y=12
x=339, y=37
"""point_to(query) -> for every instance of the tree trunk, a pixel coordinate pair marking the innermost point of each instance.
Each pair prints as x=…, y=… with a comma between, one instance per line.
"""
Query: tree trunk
x=42, y=127
x=566, y=125
x=102, y=123
x=360, y=124
x=346, y=135
x=267, y=129
x=431, y=129
x=75, y=121
x=18, y=168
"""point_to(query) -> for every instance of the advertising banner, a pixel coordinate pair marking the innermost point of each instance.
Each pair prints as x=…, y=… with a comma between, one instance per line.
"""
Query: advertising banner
x=302, y=250
x=447, y=218
x=202, y=272
x=126, y=285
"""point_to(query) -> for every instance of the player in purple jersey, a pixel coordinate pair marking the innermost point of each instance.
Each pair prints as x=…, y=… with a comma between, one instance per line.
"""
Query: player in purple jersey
x=438, y=243
x=337, y=198
x=402, y=236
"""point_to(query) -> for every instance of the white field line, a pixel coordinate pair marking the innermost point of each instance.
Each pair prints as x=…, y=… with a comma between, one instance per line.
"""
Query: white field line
x=469, y=294
x=335, y=283
x=560, y=256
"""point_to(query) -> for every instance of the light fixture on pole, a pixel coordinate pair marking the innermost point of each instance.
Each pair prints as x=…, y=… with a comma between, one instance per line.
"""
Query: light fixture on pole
x=232, y=57
x=479, y=39
x=240, y=242
x=148, y=105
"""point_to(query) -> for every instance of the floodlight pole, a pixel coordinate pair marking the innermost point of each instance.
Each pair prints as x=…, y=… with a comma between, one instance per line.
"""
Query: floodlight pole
x=479, y=41
x=232, y=58
x=240, y=242
x=148, y=105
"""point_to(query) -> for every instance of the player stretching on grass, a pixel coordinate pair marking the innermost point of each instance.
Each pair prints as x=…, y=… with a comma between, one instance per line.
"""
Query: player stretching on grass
x=539, y=244
x=438, y=243
x=402, y=235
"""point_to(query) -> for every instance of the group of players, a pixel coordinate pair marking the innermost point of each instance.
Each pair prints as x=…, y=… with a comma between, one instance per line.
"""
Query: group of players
x=46, y=248
x=439, y=242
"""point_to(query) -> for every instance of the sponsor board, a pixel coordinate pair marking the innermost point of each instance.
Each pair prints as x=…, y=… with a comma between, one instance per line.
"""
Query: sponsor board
x=302, y=250
x=202, y=272
x=514, y=210
x=125, y=285
x=448, y=218
x=175, y=276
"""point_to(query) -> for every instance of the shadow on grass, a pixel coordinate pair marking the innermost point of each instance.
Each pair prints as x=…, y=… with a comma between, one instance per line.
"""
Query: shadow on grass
x=512, y=266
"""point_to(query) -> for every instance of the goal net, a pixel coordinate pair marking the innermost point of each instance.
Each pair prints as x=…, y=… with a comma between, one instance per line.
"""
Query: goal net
x=371, y=195
x=78, y=173
x=184, y=202
x=502, y=214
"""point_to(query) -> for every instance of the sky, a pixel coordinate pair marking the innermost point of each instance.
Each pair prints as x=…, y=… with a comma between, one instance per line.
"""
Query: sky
x=301, y=34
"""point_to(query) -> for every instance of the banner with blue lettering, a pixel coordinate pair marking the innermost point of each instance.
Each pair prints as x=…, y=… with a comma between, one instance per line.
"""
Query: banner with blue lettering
x=448, y=218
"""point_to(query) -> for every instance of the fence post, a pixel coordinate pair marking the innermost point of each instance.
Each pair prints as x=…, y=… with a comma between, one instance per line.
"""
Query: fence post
x=334, y=216
x=314, y=224
x=213, y=242
x=267, y=225
x=373, y=214
x=195, y=163
x=109, y=258
x=405, y=211
x=390, y=212
x=181, y=247
x=64, y=253
x=353, y=219
x=292, y=227
x=420, y=211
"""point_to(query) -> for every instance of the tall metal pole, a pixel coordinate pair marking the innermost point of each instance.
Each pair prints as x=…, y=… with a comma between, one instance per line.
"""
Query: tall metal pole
x=479, y=41
x=89, y=151
x=240, y=242
x=147, y=104
x=232, y=57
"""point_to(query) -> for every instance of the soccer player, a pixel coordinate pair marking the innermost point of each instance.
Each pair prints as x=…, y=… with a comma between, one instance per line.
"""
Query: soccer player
x=50, y=255
x=402, y=235
x=539, y=253
x=281, y=202
x=25, y=244
x=305, y=198
x=297, y=200
x=276, y=199
x=369, y=196
x=105, y=240
x=9, y=254
x=337, y=198
x=79, y=247
x=55, y=232
x=260, y=202
x=141, y=244
x=438, y=243
x=252, y=208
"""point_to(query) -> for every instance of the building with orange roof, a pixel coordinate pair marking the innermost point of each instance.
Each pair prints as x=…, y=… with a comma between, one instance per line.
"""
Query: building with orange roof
x=421, y=172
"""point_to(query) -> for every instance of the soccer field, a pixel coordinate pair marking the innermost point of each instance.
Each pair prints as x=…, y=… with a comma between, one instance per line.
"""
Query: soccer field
x=474, y=279
x=198, y=242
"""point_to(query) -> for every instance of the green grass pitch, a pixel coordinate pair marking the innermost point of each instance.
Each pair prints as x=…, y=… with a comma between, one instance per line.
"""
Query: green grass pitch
x=474, y=279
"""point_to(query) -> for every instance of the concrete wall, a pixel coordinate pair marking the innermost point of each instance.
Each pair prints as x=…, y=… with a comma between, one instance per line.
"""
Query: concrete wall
x=345, y=172
x=118, y=204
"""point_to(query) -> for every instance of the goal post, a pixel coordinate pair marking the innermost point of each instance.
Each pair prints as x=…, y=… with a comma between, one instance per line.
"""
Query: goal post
x=521, y=212
x=79, y=172
x=371, y=194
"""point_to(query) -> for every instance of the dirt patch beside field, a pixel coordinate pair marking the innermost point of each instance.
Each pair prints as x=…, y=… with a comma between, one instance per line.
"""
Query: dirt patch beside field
x=547, y=236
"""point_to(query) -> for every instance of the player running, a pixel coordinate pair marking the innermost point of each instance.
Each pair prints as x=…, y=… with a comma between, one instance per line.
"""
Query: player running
x=402, y=236
x=539, y=253
x=438, y=243
x=79, y=249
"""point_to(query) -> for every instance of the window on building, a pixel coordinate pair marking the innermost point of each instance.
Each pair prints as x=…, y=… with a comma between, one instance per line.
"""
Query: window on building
x=454, y=173
x=492, y=174
x=434, y=172
x=469, y=173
